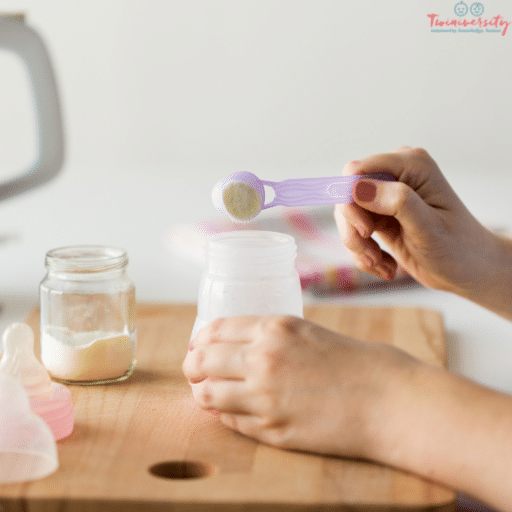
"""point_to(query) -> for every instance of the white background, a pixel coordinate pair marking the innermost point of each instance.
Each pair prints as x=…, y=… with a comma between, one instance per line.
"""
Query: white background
x=162, y=98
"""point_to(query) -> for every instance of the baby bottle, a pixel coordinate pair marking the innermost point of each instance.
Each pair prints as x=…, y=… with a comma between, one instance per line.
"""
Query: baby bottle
x=248, y=273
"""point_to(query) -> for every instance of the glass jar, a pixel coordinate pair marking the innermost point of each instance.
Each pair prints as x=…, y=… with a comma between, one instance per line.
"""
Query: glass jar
x=248, y=273
x=87, y=311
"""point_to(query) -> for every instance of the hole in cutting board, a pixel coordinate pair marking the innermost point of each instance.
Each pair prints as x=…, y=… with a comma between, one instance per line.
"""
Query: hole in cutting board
x=182, y=469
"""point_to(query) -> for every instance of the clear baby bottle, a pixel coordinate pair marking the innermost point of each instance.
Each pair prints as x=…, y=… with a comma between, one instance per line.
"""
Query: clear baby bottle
x=248, y=273
x=87, y=308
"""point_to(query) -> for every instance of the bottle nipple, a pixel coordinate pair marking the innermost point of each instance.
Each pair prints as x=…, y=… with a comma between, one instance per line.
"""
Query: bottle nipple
x=20, y=362
x=27, y=447
x=49, y=400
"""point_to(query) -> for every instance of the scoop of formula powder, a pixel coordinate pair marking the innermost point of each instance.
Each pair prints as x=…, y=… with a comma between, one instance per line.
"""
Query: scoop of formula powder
x=241, y=201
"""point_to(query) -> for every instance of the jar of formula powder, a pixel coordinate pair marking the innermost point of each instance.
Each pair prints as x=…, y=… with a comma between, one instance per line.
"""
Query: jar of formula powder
x=248, y=273
x=87, y=308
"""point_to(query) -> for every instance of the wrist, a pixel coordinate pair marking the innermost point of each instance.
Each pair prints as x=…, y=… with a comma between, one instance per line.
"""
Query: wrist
x=491, y=284
x=389, y=421
x=451, y=430
x=411, y=401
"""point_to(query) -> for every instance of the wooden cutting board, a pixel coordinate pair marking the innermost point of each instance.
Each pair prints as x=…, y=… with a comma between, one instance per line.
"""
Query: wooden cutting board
x=143, y=445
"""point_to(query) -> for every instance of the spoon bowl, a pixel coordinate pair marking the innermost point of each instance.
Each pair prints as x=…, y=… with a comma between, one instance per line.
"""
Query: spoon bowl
x=240, y=196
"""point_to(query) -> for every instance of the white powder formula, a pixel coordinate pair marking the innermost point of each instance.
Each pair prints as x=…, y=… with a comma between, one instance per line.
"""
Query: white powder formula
x=241, y=200
x=86, y=356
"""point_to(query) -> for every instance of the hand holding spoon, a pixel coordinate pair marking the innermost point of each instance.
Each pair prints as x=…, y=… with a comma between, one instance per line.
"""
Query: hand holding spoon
x=241, y=195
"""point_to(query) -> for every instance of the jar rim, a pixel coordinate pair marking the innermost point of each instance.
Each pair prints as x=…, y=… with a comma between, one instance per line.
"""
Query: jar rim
x=86, y=258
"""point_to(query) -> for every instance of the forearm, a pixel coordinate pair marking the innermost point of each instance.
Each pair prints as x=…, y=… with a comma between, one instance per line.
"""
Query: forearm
x=491, y=286
x=453, y=431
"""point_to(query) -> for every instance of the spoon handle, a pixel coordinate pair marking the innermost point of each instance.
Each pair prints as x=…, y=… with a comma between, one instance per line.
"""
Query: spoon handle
x=317, y=191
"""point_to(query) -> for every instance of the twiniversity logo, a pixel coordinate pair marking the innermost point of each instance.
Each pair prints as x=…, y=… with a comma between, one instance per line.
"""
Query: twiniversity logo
x=469, y=19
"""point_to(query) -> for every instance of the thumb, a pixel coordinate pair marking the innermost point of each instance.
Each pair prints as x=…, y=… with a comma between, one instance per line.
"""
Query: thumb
x=394, y=199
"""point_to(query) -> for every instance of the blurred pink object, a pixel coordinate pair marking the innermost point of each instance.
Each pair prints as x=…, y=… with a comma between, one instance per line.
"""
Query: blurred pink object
x=50, y=400
x=57, y=412
x=324, y=264
x=27, y=447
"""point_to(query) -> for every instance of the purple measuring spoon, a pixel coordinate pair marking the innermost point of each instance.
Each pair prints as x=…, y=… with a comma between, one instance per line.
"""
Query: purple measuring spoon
x=241, y=195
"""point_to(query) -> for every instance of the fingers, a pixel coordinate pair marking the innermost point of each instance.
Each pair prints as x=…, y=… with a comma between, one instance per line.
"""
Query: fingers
x=355, y=221
x=239, y=398
x=254, y=426
x=366, y=252
x=233, y=330
x=361, y=219
x=394, y=199
x=216, y=366
x=397, y=162
x=227, y=396
x=221, y=350
x=216, y=360
x=394, y=210
x=400, y=212
x=385, y=162
x=357, y=214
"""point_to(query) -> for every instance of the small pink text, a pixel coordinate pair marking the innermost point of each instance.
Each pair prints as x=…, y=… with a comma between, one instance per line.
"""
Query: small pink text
x=497, y=22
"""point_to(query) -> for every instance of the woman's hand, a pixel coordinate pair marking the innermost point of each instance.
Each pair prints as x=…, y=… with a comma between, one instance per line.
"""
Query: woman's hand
x=293, y=384
x=424, y=225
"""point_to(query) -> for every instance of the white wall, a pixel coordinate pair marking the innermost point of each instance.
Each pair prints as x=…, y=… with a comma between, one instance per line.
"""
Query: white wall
x=282, y=87
x=182, y=92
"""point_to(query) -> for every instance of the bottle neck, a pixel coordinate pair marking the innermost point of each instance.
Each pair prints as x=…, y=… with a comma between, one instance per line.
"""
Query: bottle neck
x=251, y=254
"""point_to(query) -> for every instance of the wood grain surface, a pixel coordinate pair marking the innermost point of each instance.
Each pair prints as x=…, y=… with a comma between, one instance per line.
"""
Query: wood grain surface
x=143, y=445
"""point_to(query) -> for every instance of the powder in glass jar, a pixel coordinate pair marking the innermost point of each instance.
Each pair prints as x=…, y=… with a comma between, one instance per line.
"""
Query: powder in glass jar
x=87, y=356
